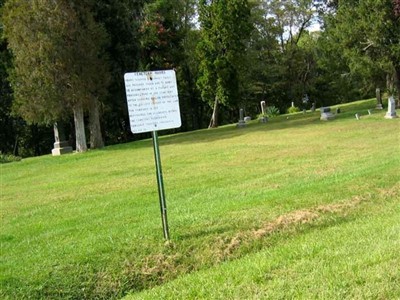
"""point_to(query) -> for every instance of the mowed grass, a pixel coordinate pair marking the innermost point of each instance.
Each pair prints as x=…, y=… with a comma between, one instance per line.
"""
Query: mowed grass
x=239, y=200
x=355, y=257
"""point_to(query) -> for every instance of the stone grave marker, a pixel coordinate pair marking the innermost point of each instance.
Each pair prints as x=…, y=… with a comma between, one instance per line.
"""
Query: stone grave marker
x=264, y=117
x=313, y=107
x=391, y=113
x=326, y=114
x=247, y=119
x=61, y=146
x=241, y=123
x=379, y=104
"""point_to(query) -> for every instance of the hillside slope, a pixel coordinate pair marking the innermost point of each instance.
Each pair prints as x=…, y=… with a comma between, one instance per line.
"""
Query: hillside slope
x=88, y=225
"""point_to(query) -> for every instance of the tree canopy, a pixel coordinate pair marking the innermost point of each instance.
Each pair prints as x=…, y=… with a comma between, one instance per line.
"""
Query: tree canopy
x=58, y=65
x=225, y=27
x=65, y=60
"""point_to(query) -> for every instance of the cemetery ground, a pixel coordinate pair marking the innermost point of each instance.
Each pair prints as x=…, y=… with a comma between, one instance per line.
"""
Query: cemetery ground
x=294, y=208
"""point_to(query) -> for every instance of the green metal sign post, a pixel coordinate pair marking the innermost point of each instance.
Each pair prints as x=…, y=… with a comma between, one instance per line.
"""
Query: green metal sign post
x=153, y=105
x=160, y=183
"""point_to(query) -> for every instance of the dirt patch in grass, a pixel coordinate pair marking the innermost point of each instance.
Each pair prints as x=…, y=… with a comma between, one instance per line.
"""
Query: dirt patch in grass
x=391, y=193
x=287, y=222
x=284, y=221
x=177, y=260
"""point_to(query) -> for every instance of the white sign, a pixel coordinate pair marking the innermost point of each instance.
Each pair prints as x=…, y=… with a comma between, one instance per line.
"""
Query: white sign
x=153, y=102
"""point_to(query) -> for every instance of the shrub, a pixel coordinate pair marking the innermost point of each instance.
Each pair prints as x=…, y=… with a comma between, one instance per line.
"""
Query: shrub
x=293, y=109
x=272, y=111
x=5, y=158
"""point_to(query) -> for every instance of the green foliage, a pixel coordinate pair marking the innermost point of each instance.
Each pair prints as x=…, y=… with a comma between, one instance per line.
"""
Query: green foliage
x=225, y=27
x=7, y=158
x=293, y=109
x=272, y=111
x=281, y=63
x=121, y=19
x=162, y=33
x=369, y=34
x=58, y=66
x=7, y=130
x=69, y=52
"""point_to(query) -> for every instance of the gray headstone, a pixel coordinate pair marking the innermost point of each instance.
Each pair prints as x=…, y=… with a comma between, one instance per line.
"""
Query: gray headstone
x=313, y=107
x=241, y=123
x=325, y=109
x=391, y=113
x=292, y=104
x=247, y=119
x=326, y=114
x=241, y=114
x=379, y=104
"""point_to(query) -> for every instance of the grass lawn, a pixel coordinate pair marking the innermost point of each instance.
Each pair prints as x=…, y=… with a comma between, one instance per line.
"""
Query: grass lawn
x=352, y=257
x=306, y=208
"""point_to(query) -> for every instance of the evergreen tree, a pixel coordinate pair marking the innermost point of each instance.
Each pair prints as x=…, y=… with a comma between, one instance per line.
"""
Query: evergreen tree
x=368, y=31
x=58, y=65
x=122, y=20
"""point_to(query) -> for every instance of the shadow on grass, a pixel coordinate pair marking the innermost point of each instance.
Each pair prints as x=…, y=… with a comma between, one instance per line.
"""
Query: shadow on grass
x=282, y=122
x=204, y=232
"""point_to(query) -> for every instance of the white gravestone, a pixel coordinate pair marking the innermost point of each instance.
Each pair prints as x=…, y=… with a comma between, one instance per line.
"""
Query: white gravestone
x=247, y=119
x=153, y=102
x=61, y=146
x=391, y=113
x=263, y=118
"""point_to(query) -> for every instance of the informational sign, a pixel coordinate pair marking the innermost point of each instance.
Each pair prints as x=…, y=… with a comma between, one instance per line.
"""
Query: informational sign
x=153, y=102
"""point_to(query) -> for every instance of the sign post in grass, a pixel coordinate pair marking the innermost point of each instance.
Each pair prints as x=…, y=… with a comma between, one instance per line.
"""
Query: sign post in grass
x=153, y=105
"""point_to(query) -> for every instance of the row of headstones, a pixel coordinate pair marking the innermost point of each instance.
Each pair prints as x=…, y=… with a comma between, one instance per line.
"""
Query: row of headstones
x=326, y=113
x=62, y=147
x=313, y=107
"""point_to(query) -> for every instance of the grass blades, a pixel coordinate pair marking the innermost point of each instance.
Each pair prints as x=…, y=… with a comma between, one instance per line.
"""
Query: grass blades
x=88, y=225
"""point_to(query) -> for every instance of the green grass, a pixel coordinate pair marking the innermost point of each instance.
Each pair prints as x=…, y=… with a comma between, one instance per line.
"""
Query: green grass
x=355, y=257
x=88, y=225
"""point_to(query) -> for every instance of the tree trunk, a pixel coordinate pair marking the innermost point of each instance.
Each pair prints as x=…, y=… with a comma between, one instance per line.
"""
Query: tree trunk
x=214, y=117
x=79, y=128
x=96, y=139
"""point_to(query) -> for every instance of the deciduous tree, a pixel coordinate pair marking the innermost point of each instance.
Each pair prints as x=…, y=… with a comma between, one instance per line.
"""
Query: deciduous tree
x=225, y=27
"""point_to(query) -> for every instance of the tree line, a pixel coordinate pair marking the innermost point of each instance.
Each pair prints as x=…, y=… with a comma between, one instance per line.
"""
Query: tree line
x=63, y=61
